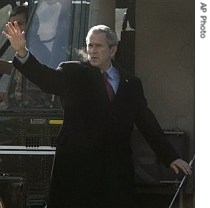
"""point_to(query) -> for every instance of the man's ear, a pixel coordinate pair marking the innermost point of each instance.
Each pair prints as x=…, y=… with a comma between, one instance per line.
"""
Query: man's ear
x=113, y=51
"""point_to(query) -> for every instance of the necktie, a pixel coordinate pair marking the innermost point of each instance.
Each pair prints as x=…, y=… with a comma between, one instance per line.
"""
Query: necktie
x=108, y=86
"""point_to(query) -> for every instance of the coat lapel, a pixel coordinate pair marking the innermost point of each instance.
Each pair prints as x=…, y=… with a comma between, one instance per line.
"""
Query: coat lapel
x=97, y=78
x=123, y=87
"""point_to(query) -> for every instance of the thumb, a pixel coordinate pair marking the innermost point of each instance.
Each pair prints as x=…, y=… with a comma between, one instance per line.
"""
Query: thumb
x=175, y=169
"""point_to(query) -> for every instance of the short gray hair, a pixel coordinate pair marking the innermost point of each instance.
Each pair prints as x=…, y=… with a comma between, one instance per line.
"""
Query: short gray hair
x=110, y=34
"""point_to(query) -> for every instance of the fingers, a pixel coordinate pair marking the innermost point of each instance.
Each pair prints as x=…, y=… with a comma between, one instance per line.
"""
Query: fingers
x=15, y=36
x=9, y=31
x=182, y=165
x=185, y=167
x=17, y=27
x=12, y=29
x=176, y=170
x=6, y=35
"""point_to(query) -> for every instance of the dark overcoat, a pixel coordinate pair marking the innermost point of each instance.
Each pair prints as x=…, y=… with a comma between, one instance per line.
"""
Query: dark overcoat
x=93, y=161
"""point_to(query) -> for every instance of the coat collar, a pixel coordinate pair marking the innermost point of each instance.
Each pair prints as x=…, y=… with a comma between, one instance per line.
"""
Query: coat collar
x=125, y=76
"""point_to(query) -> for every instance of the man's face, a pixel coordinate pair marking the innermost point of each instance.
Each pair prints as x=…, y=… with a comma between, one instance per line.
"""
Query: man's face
x=21, y=20
x=99, y=52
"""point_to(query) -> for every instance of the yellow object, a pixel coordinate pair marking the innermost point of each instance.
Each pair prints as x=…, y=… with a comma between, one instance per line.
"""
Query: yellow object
x=59, y=122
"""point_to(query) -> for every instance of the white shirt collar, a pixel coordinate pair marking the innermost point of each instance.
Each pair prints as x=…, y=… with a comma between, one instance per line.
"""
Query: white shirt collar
x=111, y=71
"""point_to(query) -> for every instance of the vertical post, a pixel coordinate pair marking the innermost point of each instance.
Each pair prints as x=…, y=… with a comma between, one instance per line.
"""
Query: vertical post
x=102, y=12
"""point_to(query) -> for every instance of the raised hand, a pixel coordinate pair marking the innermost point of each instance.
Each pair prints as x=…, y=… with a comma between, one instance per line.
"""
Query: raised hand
x=16, y=38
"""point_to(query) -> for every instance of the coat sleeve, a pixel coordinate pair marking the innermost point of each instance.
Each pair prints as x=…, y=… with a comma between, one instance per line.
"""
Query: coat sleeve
x=48, y=79
x=148, y=125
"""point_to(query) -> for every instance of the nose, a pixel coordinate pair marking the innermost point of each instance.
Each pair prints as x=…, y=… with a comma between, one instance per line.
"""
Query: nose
x=93, y=49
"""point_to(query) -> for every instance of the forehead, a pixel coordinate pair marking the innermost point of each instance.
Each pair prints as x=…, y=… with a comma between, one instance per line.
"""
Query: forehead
x=97, y=37
x=18, y=17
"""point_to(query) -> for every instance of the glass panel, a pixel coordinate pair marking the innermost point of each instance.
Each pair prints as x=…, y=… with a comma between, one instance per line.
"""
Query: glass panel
x=56, y=29
x=5, y=67
x=48, y=32
x=79, y=25
x=4, y=14
x=47, y=38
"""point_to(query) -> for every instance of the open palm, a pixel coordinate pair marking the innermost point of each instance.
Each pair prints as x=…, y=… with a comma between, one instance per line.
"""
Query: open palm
x=16, y=37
